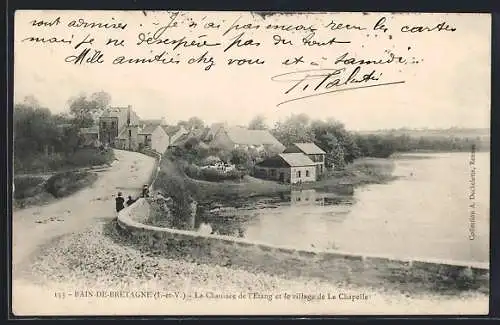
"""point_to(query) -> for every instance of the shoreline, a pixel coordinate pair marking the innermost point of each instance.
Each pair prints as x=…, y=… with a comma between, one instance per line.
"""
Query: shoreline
x=364, y=171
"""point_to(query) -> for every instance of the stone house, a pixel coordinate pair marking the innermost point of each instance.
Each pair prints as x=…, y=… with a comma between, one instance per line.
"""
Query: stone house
x=118, y=127
x=315, y=153
x=212, y=131
x=290, y=168
x=128, y=138
x=174, y=132
x=153, y=136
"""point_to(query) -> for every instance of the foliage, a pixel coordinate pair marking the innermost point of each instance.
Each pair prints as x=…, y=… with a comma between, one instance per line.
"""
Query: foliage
x=85, y=109
x=211, y=174
x=239, y=157
x=258, y=123
x=28, y=186
x=193, y=123
x=66, y=183
x=182, y=194
x=343, y=147
x=46, y=142
x=192, y=151
x=293, y=129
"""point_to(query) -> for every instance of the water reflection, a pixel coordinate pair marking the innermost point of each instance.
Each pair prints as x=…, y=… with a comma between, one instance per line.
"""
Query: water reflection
x=425, y=213
x=292, y=218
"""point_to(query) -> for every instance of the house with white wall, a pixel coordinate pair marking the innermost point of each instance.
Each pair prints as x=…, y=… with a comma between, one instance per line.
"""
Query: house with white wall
x=154, y=137
x=288, y=168
x=315, y=153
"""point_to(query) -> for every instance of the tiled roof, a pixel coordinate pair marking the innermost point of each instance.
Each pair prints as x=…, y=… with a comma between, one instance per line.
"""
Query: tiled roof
x=296, y=159
x=171, y=129
x=309, y=148
x=121, y=113
x=240, y=135
x=181, y=140
x=287, y=160
x=148, y=129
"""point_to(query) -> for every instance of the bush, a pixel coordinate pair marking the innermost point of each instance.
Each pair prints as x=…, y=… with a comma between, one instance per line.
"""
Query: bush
x=193, y=171
x=90, y=157
x=81, y=158
x=182, y=195
x=213, y=175
x=28, y=186
x=67, y=183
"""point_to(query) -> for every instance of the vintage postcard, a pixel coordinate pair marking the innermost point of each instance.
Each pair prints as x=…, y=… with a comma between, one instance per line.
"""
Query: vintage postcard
x=250, y=163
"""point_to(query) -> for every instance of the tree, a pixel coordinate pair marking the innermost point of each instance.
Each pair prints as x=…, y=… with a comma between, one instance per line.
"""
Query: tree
x=195, y=123
x=31, y=101
x=323, y=132
x=239, y=157
x=35, y=131
x=84, y=109
x=293, y=129
x=258, y=123
x=101, y=99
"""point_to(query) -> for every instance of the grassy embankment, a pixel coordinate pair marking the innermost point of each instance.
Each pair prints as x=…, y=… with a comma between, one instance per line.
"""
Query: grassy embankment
x=62, y=181
x=361, y=172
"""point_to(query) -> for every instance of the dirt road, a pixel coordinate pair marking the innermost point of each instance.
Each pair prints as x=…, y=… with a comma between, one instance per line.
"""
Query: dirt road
x=35, y=226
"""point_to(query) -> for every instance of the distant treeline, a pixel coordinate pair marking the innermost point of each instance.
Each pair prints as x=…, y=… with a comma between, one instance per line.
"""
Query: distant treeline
x=383, y=145
x=50, y=142
x=343, y=147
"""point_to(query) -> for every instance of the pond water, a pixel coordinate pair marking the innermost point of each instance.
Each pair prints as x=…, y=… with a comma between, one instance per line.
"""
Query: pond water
x=425, y=213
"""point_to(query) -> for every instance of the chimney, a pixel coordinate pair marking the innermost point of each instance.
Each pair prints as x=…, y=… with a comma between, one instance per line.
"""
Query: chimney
x=128, y=115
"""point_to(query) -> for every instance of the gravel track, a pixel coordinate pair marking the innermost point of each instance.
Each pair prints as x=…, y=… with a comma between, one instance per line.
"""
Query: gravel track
x=96, y=259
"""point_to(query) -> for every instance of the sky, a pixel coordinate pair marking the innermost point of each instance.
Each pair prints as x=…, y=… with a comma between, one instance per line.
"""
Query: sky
x=449, y=87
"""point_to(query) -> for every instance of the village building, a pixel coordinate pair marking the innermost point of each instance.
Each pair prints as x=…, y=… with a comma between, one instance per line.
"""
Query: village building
x=154, y=137
x=229, y=138
x=290, y=168
x=118, y=127
x=121, y=128
x=128, y=138
x=174, y=132
x=212, y=130
x=315, y=153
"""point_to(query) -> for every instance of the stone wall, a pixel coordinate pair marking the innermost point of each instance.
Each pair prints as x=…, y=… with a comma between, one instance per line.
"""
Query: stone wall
x=338, y=267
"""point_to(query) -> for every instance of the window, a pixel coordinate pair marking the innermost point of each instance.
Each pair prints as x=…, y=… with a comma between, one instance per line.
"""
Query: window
x=129, y=133
x=307, y=173
x=103, y=125
x=273, y=172
x=298, y=174
x=113, y=124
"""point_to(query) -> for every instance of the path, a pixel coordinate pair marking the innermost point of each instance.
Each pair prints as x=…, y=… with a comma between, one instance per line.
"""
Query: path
x=35, y=226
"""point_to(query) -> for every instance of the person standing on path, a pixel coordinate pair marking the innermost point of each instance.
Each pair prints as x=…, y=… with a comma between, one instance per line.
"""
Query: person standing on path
x=130, y=201
x=145, y=191
x=119, y=202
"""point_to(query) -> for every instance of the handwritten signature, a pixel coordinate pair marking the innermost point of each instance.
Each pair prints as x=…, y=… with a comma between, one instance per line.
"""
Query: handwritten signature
x=316, y=82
